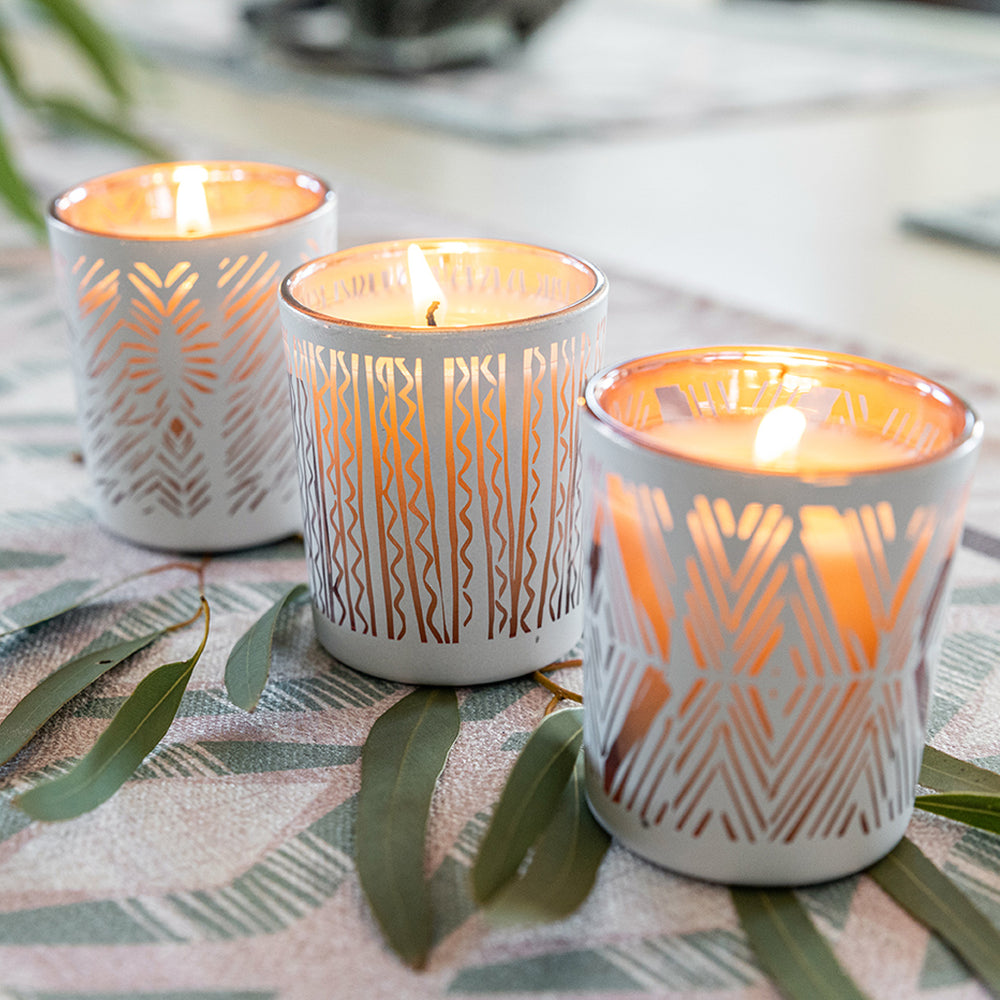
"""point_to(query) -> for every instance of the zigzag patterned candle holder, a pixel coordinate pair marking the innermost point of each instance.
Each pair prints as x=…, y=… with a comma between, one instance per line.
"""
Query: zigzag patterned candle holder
x=181, y=392
x=762, y=618
x=439, y=469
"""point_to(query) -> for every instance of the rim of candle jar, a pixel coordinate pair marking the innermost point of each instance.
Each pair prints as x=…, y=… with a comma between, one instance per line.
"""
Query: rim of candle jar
x=398, y=248
x=322, y=193
x=964, y=440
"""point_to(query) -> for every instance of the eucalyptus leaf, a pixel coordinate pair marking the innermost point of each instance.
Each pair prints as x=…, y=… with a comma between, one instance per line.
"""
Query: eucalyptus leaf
x=945, y=773
x=100, y=48
x=788, y=947
x=400, y=763
x=929, y=896
x=48, y=604
x=971, y=808
x=63, y=597
x=136, y=728
x=249, y=662
x=21, y=559
x=43, y=701
x=564, y=865
x=529, y=800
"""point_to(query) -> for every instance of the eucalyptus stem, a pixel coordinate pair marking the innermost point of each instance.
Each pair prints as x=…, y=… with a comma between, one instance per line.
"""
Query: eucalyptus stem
x=560, y=665
x=198, y=568
x=202, y=601
x=561, y=693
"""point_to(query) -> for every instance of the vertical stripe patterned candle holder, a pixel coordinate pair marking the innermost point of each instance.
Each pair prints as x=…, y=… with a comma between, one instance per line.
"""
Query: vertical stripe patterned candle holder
x=439, y=470
x=773, y=532
x=168, y=277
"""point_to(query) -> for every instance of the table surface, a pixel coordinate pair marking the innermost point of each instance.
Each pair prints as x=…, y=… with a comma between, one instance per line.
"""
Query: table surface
x=224, y=868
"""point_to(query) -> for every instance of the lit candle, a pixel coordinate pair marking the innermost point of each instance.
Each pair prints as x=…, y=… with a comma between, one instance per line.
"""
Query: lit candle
x=773, y=531
x=167, y=275
x=191, y=214
x=167, y=201
x=429, y=305
x=781, y=440
x=476, y=282
x=434, y=387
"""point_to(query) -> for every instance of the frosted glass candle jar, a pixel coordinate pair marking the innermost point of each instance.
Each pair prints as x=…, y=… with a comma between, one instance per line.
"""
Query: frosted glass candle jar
x=168, y=278
x=772, y=533
x=439, y=470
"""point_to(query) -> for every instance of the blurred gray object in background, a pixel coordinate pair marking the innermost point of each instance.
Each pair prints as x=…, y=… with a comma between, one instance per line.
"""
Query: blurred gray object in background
x=398, y=36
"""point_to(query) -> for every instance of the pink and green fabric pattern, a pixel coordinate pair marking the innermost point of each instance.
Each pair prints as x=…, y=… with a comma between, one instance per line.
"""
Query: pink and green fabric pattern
x=224, y=868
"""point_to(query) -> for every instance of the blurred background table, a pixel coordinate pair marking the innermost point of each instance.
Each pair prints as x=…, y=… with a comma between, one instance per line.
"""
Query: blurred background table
x=762, y=153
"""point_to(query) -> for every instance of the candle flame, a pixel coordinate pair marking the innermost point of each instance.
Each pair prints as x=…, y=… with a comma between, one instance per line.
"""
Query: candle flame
x=191, y=209
x=429, y=304
x=778, y=435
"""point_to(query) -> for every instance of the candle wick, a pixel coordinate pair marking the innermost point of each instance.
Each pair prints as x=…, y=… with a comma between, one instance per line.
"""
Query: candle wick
x=431, y=321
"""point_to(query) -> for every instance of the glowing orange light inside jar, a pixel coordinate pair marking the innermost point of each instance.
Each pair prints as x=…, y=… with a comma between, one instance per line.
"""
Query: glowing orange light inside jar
x=190, y=204
x=809, y=419
x=429, y=305
x=779, y=435
x=186, y=201
x=476, y=283
x=782, y=440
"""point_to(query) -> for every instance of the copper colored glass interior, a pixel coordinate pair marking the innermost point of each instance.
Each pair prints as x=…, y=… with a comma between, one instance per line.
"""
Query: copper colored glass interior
x=140, y=202
x=919, y=418
x=482, y=282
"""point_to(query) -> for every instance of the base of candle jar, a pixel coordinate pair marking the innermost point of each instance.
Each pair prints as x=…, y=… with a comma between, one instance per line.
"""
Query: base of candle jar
x=715, y=858
x=220, y=533
x=469, y=661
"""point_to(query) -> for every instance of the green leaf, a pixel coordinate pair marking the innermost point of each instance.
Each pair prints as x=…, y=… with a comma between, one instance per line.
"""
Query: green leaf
x=945, y=773
x=48, y=604
x=92, y=40
x=67, y=112
x=564, y=865
x=9, y=68
x=16, y=192
x=529, y=800
x=64, y=597
x=19, y=559
x=400, y=763
x=249, y=662
x=929, y=896
x=789, y=948
x=100, y=48
x=41, y=703
x=970, y=808
x=136, y=728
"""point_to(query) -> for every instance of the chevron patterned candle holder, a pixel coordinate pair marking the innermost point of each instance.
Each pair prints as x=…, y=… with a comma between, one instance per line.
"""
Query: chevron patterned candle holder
x=168, y=276
x=772, y=534
x=434, y=390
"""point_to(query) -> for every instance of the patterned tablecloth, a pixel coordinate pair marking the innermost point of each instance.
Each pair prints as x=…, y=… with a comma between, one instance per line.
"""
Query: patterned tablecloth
x=224, y=868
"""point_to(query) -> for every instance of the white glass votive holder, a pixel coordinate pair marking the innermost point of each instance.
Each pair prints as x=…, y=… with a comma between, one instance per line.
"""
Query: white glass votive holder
x=168, y=278
x=439, y=464
x=772, y=534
